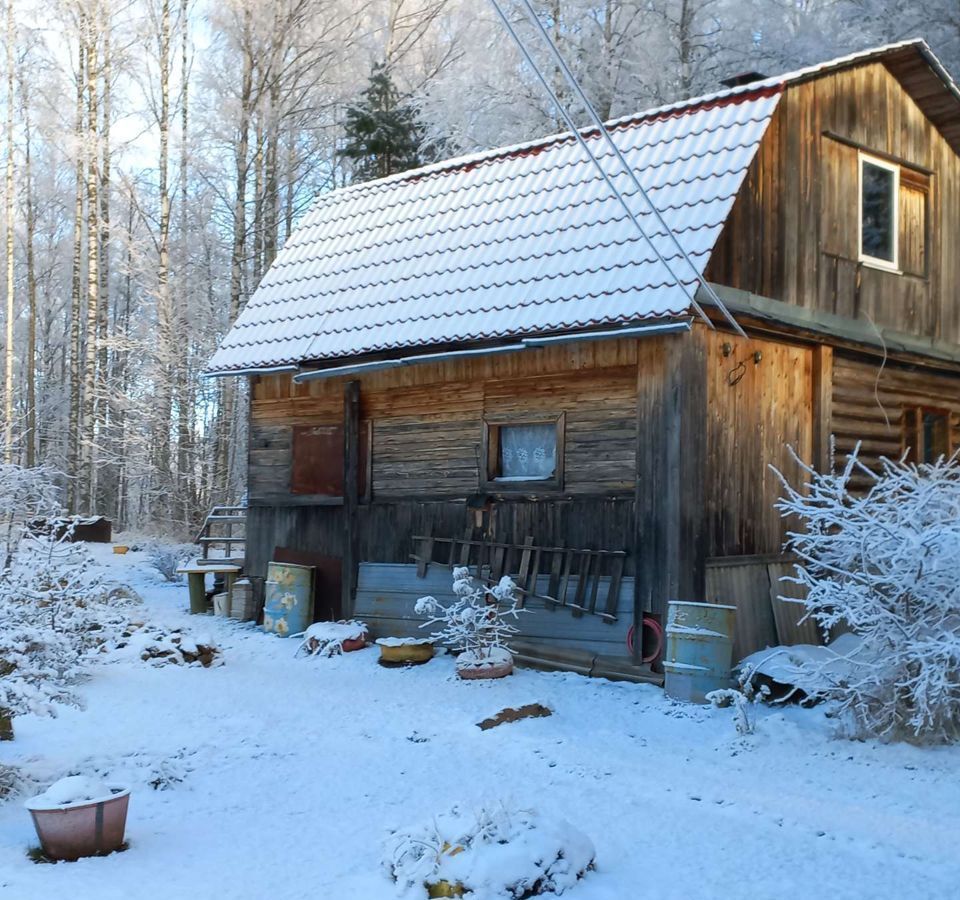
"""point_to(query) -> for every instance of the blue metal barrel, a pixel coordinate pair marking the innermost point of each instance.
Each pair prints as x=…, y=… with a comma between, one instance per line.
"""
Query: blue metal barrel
x=699, y=649
x=288, y=599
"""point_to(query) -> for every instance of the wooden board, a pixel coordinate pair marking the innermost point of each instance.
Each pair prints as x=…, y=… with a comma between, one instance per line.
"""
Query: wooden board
x=386, y=594
x=787, y=614
x=745, y=585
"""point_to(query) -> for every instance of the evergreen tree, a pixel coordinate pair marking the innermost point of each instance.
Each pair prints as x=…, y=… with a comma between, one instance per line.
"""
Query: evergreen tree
x=382, y=134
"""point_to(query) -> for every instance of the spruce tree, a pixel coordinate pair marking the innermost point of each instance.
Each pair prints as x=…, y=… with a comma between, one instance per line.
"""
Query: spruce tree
x=382, y=133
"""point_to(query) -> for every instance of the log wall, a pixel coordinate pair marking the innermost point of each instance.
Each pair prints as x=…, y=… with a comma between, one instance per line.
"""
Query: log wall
x=868, y=402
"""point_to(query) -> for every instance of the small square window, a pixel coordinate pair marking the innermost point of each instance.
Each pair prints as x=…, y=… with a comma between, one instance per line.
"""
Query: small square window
x=879, y=201
x=926, y=434
x=524, y=454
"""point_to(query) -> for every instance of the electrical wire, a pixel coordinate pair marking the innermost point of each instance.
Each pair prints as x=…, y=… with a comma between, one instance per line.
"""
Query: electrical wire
x=618, y=156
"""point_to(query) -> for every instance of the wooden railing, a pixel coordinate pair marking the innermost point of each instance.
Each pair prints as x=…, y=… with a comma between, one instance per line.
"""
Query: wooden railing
x=232, y=518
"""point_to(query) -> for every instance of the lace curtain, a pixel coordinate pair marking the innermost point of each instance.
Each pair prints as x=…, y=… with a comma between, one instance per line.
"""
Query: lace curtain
x=528, y=452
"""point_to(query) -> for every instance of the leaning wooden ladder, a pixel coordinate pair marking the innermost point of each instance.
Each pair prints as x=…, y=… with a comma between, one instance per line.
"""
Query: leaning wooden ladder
x=229, y=517
x=574, y=576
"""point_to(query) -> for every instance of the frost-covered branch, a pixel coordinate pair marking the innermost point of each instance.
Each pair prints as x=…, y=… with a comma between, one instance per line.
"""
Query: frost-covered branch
x=476, y=624
x=883, y=564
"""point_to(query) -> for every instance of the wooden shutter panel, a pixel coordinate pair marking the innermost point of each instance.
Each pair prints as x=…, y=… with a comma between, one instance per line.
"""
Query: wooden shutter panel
x=317, y=465
x=317, y=460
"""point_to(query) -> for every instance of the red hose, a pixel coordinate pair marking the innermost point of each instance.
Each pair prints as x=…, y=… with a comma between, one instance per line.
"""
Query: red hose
x=656, y=629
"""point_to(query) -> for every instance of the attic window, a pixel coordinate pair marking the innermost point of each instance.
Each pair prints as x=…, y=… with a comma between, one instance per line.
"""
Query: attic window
x=523, y=454
x=927, y=434
x=879, y=202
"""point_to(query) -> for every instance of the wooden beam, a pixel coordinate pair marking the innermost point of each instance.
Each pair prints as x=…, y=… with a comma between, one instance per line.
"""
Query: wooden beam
x=879, y=154
x=669, y=534
x=351, y=493
x=822, y=406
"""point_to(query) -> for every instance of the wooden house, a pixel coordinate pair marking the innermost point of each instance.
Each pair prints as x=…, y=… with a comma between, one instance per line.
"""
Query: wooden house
x=484, y=350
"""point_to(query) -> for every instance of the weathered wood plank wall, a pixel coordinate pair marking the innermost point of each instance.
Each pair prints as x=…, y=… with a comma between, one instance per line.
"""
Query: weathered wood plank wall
x=426, y=430
x=793, y=231
x=427, y=420
x=757, y=409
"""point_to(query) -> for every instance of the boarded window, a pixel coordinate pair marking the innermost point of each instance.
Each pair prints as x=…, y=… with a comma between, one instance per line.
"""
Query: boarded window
x=879, y=183
x=927, y=434
x=914, y=205
x=317, y=464
x=524, y=454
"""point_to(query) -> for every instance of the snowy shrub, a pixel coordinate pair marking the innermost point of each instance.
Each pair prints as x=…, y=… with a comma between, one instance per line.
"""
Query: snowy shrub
x=884, y=564
x=743, y=701
x=475, y=625
x=167, y=559
x=489, y=853
x=26, y=494
x=55, y=614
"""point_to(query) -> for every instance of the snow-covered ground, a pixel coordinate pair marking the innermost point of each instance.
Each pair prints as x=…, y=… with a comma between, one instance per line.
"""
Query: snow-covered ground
x=278, y=777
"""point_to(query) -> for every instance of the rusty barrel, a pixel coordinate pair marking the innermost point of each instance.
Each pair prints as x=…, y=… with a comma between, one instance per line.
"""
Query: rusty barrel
x=699, y=649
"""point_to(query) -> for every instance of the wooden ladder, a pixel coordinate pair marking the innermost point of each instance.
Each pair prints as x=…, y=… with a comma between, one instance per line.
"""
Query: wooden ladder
x=232, y=518
x=574, y=576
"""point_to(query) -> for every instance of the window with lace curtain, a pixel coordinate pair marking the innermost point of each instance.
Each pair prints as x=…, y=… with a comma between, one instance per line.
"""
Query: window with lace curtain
x=523, y=454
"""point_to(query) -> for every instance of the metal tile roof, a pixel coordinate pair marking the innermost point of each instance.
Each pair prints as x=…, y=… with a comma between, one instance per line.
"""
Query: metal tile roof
x=521, y=241
x=517, y=241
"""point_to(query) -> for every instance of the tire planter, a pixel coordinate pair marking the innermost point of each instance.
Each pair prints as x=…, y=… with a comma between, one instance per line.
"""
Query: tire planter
x=87, y=828
x=399, y=652
x=497, y=670
x=497, y=662
x=445, y=889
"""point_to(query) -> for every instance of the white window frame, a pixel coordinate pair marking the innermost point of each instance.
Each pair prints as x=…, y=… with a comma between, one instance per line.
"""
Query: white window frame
x=865, y=258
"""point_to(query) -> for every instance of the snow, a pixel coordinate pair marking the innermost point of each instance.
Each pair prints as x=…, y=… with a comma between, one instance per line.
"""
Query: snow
x=335, y=631
x=495, y=656
x=270, y=776
x=404, y=641
x=74, y=789
x=810, y=667
x=490, y=853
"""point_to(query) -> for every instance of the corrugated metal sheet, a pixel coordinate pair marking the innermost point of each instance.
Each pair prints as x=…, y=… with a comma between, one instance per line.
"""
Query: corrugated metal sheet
x=517, y=241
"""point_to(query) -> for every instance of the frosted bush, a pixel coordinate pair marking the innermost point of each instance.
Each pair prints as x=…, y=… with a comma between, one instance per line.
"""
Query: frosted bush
x=488, y=853
x=475, y=624
x=55, y=613
x=742, y=700
x=26, y=494
x=884, y=564
x=166, y=559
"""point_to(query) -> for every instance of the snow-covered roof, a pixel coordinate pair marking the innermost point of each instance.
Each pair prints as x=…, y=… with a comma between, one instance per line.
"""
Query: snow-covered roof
x=517, y=241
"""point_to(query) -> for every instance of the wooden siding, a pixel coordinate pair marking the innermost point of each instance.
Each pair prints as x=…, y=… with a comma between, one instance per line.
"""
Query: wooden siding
x=755, y=585
x=756, y=410
x=869, y=399
x=792, y=234
x=427, y=421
